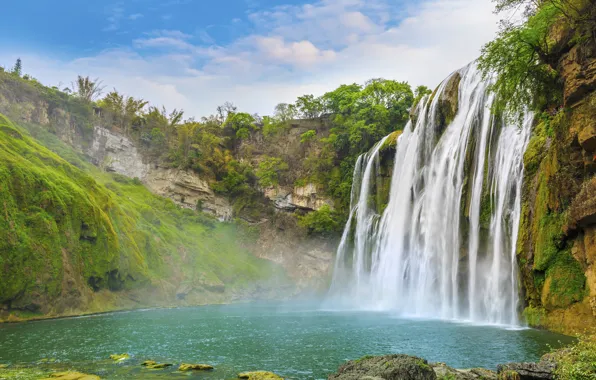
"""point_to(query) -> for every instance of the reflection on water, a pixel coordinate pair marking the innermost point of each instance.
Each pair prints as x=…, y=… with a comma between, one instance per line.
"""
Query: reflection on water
x=301, y=343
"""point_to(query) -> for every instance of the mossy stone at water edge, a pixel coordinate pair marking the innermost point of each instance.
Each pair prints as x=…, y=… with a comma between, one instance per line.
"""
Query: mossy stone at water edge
x=119, y=357
x=388, y=367
x=71, y=375
x=195, y=367
x=259, y=375
x=151, y=364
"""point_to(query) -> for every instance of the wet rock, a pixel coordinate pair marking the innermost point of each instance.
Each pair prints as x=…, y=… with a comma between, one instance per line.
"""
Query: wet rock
x=151, y=364
x=259, y=375
x=389, y=367
x=443, y=371
x=195, y=367
x=119, y=357
x=527, y=371
x=71, y=375
x=448, y=104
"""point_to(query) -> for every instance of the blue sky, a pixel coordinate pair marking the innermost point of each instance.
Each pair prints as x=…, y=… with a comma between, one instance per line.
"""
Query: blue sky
x=196, y=54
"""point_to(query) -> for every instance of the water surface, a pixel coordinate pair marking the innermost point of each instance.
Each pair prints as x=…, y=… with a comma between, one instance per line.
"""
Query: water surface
x=294, y=342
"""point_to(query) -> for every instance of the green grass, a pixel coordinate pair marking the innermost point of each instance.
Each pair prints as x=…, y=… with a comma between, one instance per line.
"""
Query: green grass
x=106, y=231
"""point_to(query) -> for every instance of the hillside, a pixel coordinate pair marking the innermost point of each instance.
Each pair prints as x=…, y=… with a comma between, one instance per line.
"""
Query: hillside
x=79, y=240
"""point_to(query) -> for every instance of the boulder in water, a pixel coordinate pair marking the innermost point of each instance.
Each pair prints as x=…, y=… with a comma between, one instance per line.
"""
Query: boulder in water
x=152, y=364
x=71, y=375
x=259, y=375
x=119, y=357
x=195, y=367
x=388, y=367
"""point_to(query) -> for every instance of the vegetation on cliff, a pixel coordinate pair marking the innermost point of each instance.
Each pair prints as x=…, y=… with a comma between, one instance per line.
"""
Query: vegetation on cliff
x=67, y=234
x=542, y=65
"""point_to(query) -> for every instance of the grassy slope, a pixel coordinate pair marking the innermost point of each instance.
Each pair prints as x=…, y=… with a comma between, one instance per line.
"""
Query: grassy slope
x=65, y=230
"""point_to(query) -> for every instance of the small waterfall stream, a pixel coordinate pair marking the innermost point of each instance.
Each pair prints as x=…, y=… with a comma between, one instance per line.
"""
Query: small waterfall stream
x=444, y=247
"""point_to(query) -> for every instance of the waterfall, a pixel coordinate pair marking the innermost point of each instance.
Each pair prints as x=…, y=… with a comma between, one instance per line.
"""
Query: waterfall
x=444, y=247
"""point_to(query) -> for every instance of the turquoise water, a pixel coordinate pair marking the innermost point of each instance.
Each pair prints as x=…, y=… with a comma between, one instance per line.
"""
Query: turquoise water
x=294, y=342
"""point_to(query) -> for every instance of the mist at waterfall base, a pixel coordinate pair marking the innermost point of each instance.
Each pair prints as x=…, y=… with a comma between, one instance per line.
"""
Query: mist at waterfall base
x=427, y=254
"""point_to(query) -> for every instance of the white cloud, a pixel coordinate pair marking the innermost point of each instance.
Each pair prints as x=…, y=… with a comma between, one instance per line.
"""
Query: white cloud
x=135, y=16
x=294, y=50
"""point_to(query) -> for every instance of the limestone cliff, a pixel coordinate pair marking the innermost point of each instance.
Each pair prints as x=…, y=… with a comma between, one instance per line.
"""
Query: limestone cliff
x=557, y=244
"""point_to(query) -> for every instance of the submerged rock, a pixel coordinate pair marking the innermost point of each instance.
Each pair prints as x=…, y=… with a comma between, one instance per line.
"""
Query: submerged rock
x=259, y=375
x=527, y=371
x=71, y=375
x=119, y=357
x=388, y=367
x=152, y=364
x=195, y=367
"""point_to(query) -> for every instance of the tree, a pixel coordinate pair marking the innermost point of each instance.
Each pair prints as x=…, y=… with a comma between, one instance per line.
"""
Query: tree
x=523, y=66
x=242, y=123
x=87, y=88
x=309, y=107
x=18, y=68
x=285, y=112
x=269, y=171
x=225, y=110
x=419, y=93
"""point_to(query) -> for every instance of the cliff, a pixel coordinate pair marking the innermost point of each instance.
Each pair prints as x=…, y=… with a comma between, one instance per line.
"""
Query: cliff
x=556, y=249
x=101, y=224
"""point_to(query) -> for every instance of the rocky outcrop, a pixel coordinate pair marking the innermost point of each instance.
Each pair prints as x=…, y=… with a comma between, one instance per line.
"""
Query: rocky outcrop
x=557, y=236
x=259, y=375
x=543, y=370
x=389, y=367
x=187, y=190
x=307, y=198
x=578, y=70
x=116, y=153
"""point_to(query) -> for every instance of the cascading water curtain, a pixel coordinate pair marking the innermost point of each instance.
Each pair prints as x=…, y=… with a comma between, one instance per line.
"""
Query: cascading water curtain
x=445, y=245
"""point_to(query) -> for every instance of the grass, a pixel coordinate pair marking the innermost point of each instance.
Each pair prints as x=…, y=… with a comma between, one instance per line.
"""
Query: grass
x=66, y=221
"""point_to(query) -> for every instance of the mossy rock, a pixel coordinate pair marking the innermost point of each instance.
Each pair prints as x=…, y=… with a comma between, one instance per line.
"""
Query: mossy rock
x=259, y=375
x=119, y=357
x=151, y=364
x=389, y=367
x=195, y=367
x=71, y=375
x=3, y=366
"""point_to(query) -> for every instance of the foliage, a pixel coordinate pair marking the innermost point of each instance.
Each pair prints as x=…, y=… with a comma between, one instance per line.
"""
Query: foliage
x=523, y=58
x=269, y=171
x=419, y=93
x=577, y=362
x=87, y=89
x=122, y=111
x=520, y=59
x=308, y=136
x=109, y=229
x=242, y=123
x=18, y=68
x=323, y=221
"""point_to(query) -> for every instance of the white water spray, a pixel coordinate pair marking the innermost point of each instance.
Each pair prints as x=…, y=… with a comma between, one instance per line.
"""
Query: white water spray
x=445, y=245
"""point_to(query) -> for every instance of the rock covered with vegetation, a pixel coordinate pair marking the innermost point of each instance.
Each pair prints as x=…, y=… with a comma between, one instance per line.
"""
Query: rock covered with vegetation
x=547, y=64
x=389, y=367
x=75, y=239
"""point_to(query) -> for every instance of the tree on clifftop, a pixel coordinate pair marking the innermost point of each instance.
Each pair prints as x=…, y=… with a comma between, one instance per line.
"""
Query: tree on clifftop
x=87, y=88
x=18, y=68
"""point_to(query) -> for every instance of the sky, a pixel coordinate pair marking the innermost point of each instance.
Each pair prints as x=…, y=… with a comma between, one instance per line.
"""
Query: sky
x=198, y=54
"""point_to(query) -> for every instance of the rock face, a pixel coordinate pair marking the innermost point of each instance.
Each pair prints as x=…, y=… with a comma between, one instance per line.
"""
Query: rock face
x=448, y=104
x=116, y=153
x=187, y=190
x=389, y=367
x=578, y=69
x=290, y=199
x=527, y=371
x=557, y=235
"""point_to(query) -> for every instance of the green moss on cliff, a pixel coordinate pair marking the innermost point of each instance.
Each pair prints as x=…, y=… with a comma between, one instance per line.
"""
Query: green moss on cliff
x=565, y=282
x=65, y=233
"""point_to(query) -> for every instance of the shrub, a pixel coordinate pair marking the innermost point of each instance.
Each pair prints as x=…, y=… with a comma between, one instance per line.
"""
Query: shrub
x=269, y=170
x=323, y=221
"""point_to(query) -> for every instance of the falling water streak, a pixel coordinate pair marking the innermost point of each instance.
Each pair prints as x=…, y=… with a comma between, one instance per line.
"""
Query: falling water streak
x=412, y=258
